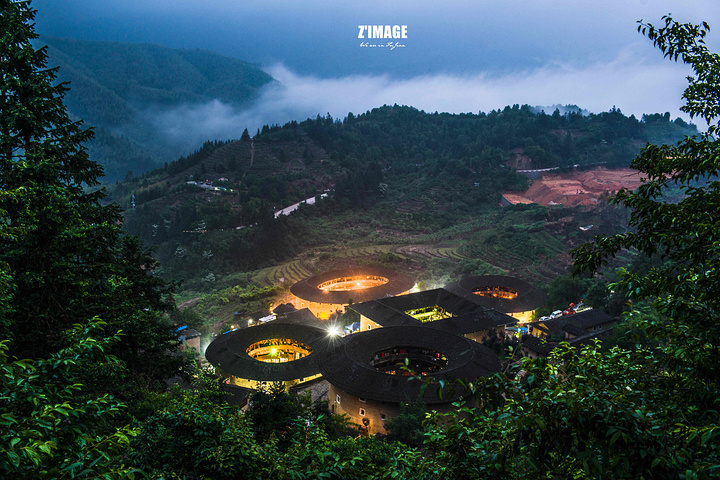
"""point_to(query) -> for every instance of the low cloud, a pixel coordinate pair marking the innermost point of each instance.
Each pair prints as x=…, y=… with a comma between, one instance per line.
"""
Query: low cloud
x=634, y=85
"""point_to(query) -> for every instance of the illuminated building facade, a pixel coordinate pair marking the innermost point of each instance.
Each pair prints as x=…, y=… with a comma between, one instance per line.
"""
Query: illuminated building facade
x=330, y=292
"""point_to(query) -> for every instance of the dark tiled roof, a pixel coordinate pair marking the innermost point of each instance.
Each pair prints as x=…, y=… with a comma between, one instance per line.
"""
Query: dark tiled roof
x=397, y=284
x=590, y=318
x=577, y=324
x=441, y=297
x=229, y=351
x=486, y=319
x=590, y=337
x=383, y=314
x=189, y=333
x=528, y=297
x=347, y=365
x=283, y=308
x=537, y=345
x=302, y=317
x=544, y=347
x=573, y=329
x=390, y=312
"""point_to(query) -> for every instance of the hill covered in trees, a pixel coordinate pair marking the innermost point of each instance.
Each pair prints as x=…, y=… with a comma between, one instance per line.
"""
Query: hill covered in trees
x=405, y=172
x=121, y=89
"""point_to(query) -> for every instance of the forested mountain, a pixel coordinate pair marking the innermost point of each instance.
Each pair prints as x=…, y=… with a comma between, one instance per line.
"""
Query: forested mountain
x=120, y=87
x=417, y=172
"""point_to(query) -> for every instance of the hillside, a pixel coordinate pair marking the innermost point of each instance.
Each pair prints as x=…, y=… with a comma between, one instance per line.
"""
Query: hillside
x=123, y=89
x=419, y=190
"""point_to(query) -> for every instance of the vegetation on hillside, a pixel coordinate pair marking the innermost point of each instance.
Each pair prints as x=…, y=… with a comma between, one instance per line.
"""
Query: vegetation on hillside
x=393, y=175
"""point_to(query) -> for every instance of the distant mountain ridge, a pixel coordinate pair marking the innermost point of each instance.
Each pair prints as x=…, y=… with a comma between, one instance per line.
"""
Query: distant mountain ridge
x=114, y=85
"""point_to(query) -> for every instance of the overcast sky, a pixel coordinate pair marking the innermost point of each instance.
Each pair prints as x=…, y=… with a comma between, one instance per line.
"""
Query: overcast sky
x=459, y=55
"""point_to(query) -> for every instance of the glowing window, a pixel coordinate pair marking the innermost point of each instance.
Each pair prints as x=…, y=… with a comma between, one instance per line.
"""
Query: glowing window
x=337, y=398
x=278, y=350
x=495, y=291
x=429, y=313
x=362, y=412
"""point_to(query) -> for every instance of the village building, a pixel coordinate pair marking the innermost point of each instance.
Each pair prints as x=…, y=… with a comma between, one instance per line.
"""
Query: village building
x=369, y=378
x=510, y=295
x=285, y=350
x=438, y=308
x=330, y=292
x=577, y=329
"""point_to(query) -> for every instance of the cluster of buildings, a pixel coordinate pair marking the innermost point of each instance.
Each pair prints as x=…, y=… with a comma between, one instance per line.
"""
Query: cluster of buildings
x=404, y=340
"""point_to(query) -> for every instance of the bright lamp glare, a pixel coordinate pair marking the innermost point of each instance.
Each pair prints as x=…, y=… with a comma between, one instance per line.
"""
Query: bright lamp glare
x=334, y=331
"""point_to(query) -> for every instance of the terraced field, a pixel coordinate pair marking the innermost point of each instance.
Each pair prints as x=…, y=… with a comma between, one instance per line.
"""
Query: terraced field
x=285, y=274
x=291, y=272
x=366, y=251
x=543, y=273
x=427, y=251
x=540, y=250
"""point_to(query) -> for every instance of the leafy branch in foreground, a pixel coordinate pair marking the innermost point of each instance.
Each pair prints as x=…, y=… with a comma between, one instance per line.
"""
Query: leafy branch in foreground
x=50, y=426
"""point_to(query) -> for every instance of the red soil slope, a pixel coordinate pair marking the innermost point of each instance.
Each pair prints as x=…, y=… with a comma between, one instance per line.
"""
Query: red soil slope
x=576, y=188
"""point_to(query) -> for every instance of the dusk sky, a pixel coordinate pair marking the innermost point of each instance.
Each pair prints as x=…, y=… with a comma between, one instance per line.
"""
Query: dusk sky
x=459, y=56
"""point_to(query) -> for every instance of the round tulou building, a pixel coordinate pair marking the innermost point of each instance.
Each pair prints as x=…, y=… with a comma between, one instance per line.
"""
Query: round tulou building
x=509, y=295
x=330, y=292
x=276, y=351
x=369, y=378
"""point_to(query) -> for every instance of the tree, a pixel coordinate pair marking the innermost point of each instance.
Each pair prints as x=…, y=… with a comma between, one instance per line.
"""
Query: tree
x=50, y=426
x=276, y=412
x=686, y=286
x=196, y=434
x=407, y=426
x=647, y=413
x=63, y=249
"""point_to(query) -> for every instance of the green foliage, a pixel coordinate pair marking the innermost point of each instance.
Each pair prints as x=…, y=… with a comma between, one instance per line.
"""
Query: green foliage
x=578, y=415
x=241, y=296
x=628, y=334
x=404, y=172
x=115, y=85
x=598, y=295
x=407, y=427
x=51, y=426
x=476, y=146
x=566, y=289
x=194, y=434
x=275, y=412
